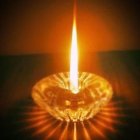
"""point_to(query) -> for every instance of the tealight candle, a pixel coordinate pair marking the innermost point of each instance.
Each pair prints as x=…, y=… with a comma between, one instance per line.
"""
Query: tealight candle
x=53, y=94
x=72, y=96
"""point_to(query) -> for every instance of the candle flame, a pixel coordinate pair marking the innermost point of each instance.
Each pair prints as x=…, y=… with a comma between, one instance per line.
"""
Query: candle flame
x=74, y=60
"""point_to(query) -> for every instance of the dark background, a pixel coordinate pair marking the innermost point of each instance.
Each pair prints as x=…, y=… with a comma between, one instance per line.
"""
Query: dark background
x=35, y=38
x=38, y=26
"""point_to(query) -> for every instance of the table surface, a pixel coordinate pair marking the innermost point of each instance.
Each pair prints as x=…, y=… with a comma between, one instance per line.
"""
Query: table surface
x=21, y=119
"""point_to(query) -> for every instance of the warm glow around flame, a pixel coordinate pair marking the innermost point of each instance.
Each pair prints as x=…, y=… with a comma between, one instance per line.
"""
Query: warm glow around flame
x=74, y=61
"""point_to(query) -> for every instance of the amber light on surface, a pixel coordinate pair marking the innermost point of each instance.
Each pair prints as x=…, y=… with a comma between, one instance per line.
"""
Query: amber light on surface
x=40, y=123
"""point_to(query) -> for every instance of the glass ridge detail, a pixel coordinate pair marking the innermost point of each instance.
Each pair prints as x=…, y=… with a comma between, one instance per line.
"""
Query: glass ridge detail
x=53, y=95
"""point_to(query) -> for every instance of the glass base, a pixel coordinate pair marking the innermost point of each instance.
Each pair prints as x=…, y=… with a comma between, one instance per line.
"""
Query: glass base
x=52, y=94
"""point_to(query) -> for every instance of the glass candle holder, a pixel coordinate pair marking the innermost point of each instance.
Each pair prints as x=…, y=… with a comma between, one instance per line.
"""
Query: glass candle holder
x=53, y=95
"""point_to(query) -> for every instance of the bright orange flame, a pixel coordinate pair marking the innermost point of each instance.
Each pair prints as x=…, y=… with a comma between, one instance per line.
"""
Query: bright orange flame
x=74, y=60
